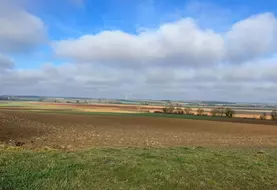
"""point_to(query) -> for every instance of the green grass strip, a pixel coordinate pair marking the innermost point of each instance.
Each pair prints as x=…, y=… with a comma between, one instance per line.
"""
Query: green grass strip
x=139, y=168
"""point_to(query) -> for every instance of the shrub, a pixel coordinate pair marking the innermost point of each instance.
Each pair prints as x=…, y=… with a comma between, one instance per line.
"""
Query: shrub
x=158, y=112
x=229, y=112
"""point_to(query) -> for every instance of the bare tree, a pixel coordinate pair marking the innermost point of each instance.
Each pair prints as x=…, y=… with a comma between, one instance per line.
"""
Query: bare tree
x=214, y=112
x=179, y=110
x=165, y=110
x=274, y=115
x=221, y=111
x=263, y=116
x=170, y=109
x=200, y=111
x=229, y=112
x=188, y=111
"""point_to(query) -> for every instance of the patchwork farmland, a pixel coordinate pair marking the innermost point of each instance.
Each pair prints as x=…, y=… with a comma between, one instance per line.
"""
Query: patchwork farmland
x=117, y=147
x=83, y=131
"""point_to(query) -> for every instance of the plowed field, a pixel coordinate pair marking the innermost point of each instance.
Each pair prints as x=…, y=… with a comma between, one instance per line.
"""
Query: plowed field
x=69, y=131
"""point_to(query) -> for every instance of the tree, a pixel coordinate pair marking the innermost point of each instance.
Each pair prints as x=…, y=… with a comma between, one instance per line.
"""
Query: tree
x=77, y=101
x=165, y=110
x=229, y=112
x=188, y=111
x=179, y=110
x=200, y=111
x=169, y=109
x=221, y=111
x=214, y=112
x=263, y=116
x=274, y=115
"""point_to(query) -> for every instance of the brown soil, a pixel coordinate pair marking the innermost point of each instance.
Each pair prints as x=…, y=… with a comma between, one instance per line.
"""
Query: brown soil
x=36, y=130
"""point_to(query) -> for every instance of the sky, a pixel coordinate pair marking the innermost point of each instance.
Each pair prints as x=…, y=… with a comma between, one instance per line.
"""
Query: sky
x=153, y=49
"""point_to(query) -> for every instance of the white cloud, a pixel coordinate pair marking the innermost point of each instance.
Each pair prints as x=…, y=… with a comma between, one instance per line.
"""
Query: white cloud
x=264, y=71
x=252, y=38
x=181, y=42
x=177, y=43
x=233, y=83
x=20, y=31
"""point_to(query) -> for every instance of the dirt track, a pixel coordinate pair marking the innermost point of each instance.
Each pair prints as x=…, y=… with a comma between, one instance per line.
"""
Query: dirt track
x=84, y=131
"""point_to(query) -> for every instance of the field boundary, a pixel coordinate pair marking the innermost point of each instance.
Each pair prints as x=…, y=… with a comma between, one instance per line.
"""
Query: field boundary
x=156, y=115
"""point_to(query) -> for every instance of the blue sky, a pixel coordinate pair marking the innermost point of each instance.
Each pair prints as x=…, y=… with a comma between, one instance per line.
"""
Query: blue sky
x=173, y=49
x=68, y=19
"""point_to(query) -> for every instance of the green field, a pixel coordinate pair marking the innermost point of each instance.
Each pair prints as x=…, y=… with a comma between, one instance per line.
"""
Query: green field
x=133, y=114
x=138, y=168
x=28, y=105
x=13, y=104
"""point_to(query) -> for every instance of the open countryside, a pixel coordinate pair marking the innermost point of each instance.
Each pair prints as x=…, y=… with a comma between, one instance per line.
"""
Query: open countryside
x=110, y=138
x=138, y=95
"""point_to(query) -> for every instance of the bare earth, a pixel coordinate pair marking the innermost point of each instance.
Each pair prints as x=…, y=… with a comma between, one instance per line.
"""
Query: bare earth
x=70, y=131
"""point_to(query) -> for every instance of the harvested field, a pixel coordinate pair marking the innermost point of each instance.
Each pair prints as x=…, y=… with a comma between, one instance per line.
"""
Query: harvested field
x=69, y=131
x=119, y=108
x=122, y=108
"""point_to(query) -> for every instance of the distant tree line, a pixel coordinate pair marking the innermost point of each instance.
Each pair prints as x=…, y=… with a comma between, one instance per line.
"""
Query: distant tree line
x=178, y=109
x=215, y=112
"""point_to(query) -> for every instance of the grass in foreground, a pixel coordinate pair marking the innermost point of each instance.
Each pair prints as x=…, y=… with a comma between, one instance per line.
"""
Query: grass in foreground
x=137, y=168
